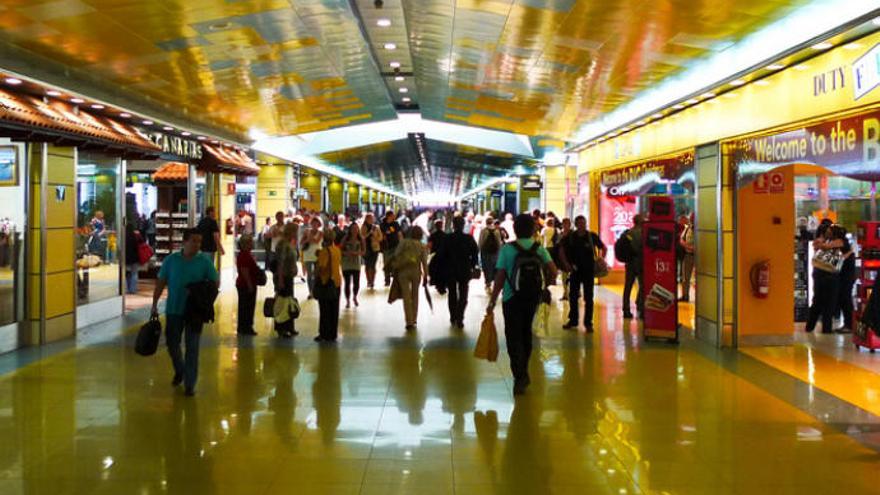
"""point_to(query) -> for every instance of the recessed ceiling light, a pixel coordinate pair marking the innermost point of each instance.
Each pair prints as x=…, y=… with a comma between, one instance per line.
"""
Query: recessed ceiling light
x=97, y=106
x=13, y=81
x=399, y=78
x=406, y=99
x=390, y=46
x=185, y=133
x=656, y=115
x=167, y=128
x=691, y=101
x=214, y=141
x=677, y=107
x=77, y=100
x=52, y=92
x=801, y=67
x=822, y=46
x=762, y=82
x=738, y=82
x=383, y=22
x=775, y=66
x=201, y=138
x=404, y=90
x=852, y=46
x=148, y=122
x=707, y=95
x=125, y=115
x=394, y=65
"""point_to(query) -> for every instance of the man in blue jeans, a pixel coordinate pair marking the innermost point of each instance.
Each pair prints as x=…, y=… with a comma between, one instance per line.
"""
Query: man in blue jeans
x=179, y=270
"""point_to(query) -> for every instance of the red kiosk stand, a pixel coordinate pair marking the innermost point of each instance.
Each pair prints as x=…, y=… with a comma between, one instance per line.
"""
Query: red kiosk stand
x=660, y=270
x=869, y=252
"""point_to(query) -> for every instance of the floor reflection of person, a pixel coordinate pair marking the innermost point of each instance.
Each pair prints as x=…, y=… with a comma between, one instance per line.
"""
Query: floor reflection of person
x=525, y=466
x=452, y=368
x=327, y=393
x=248, y=389
x=408, y=388
x=282, y=364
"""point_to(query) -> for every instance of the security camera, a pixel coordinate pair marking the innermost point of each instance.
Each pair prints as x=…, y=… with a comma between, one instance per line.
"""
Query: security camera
x=378, y=4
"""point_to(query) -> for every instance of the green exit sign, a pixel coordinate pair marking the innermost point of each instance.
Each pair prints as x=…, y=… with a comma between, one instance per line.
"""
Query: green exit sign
x=273, y=193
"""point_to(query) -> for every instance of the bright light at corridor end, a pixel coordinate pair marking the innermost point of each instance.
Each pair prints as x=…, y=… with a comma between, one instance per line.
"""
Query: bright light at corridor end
x=804, y=24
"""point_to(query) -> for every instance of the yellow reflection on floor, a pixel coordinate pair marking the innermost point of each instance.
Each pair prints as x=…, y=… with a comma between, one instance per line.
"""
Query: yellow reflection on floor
x=389, y=412
x=852, y=383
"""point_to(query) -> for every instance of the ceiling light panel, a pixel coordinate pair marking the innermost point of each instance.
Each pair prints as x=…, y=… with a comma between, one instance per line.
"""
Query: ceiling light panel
x=386, y=29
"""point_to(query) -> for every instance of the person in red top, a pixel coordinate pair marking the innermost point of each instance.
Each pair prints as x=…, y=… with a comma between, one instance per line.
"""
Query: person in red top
x=249, y=275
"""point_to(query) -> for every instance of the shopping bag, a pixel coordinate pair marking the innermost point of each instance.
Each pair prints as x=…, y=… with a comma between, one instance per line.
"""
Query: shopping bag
x=487, y=342
x=269, y=307
x=395, y=292
x=148, y=337
x=541, y=323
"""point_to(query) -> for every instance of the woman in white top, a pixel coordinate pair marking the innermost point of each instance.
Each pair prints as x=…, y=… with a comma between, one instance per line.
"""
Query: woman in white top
x=311, y=243
x=548, y=233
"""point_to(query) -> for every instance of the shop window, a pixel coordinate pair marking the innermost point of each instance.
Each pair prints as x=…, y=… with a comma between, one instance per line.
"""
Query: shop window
x=12, y=232
x=98, y=228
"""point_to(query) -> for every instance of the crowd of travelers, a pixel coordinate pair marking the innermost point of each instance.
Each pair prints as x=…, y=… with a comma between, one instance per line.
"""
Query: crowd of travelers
x=518, y=258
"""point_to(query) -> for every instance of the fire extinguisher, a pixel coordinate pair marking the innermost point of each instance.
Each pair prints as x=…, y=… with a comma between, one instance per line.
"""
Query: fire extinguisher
x=759, y=276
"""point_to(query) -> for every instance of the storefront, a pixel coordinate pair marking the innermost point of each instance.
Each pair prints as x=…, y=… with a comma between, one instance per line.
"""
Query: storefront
x=13, y=227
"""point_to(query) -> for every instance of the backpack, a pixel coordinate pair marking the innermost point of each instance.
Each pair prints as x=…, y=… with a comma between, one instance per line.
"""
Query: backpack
x=527, y=278
x=623, y=248
x=491, y=244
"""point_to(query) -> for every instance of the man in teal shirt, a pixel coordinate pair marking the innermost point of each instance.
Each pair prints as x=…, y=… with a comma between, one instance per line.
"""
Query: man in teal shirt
x=179, y=270
x=518, y=306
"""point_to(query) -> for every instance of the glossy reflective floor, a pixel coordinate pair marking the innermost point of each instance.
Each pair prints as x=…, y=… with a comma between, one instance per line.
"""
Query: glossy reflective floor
x=386, y=412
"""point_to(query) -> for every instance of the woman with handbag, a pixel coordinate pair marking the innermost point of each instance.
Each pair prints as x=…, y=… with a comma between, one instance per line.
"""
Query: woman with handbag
x=827, y=263
x=311, y=243
x=249, y=277
x=286, y=257
x=410, y=266
x=328, y=279
x=352, y=251
x=372, y=247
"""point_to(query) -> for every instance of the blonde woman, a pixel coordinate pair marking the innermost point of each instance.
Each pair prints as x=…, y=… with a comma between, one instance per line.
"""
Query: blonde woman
x=312, y=240
x=328, y=279
x=410, y=265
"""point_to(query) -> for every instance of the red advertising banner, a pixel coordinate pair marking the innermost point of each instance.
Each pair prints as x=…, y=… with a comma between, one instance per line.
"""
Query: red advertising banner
x=617, y=216
x=661, y=305
x=848, y=146
x=637, y=179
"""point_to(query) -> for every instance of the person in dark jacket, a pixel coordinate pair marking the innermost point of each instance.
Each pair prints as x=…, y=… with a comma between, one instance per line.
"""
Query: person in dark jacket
x=826, y=284
x=435, y=272
x=458, y=257
x=180, y=270
x=578, y=256
x=634, y=269
x=847, y=279
x=210, y=234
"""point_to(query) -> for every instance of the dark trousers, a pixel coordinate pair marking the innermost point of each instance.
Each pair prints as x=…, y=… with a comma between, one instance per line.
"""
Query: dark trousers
x=633, y=273
x=328, y=317
x=845, y=301
x=826, y=287
x=287, y=326
x=576, y=280
x=185, y=365
x=518, y=316
x=352, y=281
x=488, y=262
x=458, y=299
x=247, y=301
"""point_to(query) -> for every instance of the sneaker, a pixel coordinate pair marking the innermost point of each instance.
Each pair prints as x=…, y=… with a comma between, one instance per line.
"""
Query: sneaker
x=356, y=303
x=570, y=325
x=410, y=327
x=589, y=328
x=189, y=392
x=627, y=315
x=177, y=380
x=347, y=304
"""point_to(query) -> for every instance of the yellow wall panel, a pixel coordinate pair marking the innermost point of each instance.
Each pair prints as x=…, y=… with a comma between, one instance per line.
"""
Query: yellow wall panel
x=729, y=238
x=33, y=246
x=59, y=300
x=707, y=252
x=707, y=208
x=707, y=297
x=59, y=250
x=729, y=291
x=62, y=167
x=34, y=291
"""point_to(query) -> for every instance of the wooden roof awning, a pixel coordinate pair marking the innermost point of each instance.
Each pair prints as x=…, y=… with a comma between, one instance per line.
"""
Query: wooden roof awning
x=31, y=118
x=219, y=158
x=171, y=172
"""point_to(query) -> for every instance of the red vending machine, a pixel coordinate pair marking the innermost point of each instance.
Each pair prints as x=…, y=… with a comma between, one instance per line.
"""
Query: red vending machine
x=869, y=254
x=660, y=270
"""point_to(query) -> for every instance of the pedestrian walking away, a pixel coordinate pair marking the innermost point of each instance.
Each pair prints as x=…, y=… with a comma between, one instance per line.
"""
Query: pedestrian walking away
x=391, y=236
x=210, y=233
x=409, y=264
x=522, y=269
x=328, y=280
x=179, y=271
x=628, y=250
x=249, y=277
x=458, y=257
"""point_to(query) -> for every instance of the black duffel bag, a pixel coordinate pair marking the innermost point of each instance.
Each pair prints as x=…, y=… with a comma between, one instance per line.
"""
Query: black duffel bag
x=148, y=337
x=269, y=307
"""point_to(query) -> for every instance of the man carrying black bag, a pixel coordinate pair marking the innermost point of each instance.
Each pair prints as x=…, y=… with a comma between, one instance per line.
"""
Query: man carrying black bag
x=179, y=271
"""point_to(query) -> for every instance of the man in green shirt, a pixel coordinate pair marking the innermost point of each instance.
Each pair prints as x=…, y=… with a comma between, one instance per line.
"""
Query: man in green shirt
x=179, y=270
x=518, y=263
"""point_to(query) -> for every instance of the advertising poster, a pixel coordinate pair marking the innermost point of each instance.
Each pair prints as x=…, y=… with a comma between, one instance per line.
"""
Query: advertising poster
x=617, y=217
x=661, y=307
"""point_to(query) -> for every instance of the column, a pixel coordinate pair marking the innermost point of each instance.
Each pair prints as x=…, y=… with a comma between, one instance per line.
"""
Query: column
x=273, y=191
x=335, y=195
x=51, y=270
x=555, y=190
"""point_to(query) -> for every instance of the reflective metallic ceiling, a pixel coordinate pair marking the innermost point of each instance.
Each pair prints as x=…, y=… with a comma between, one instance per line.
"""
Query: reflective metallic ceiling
x=418, y=165
x=537, y=67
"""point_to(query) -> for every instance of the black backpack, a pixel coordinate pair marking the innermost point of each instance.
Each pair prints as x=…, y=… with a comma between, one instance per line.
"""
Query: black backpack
x=491, y=244
x=623, y=248
x=527, y=278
